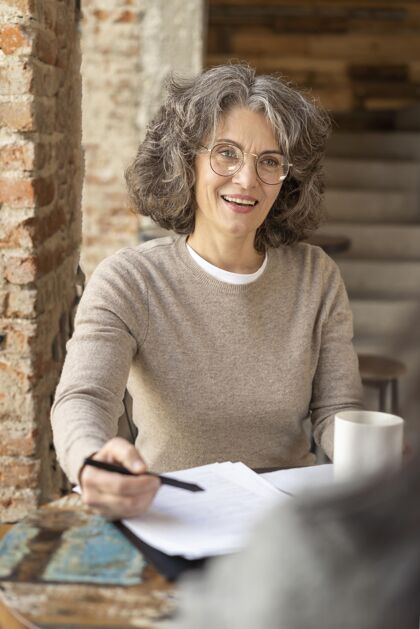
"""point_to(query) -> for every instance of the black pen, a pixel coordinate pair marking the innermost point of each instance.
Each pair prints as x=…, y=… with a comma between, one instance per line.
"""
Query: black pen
x=120, y=469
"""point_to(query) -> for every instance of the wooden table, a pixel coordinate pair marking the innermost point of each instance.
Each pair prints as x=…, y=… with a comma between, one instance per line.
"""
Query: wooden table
x=63, y=567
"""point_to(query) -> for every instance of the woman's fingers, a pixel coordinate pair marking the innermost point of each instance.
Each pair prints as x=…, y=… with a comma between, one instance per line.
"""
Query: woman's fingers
x=118, y=495
x=118, y=484
x=117, y=507
x=120, y=451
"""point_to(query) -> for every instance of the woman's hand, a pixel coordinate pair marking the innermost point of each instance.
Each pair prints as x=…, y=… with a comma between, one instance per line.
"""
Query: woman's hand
x=115, y=495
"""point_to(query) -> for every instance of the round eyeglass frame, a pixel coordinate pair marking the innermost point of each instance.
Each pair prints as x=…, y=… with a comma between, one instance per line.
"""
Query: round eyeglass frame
x=244, y=153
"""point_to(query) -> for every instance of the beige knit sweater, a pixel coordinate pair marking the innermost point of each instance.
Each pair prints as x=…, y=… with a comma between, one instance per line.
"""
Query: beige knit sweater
x=216, y=371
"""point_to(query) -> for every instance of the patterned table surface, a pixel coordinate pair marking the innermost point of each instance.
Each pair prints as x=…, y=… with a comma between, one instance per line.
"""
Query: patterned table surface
x=65, y=568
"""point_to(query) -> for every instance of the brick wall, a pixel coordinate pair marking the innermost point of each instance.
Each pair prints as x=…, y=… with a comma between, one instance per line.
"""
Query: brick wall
x=40, y=184
x=128, y=49
x=355, y=55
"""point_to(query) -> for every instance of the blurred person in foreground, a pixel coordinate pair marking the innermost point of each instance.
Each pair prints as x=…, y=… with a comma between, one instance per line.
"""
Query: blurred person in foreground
x=231, y=334
x=343, y=559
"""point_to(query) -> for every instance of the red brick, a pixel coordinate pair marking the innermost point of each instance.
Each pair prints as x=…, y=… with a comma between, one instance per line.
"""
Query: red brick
x=101, y=15
x=32, y=231
x=18, y=472
x=17, y=116
x=25, y=8
x=17, y=157
x=17, y=192
x=20, y=337
x=15, y=505
x=18, y=444
x=16, y=80
x=27, y=192
x=21, y=303
x=15, y=376
x=26, y=269
x=4, y=298
x=21, y=269
x=12, y=38
x=127, y=16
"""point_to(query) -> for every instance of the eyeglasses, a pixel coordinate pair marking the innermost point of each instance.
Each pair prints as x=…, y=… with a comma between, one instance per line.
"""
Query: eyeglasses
x=227, y=159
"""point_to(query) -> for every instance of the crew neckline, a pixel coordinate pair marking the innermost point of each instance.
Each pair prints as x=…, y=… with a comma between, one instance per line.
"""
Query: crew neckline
x=213, y=282
x=228, y=277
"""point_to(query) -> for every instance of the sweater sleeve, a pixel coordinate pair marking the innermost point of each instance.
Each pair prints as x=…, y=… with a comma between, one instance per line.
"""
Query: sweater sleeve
x=336, y=384
x=111, y=323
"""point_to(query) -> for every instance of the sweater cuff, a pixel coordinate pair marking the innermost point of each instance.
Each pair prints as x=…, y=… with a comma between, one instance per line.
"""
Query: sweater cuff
x=327, y=438
x=79, y=452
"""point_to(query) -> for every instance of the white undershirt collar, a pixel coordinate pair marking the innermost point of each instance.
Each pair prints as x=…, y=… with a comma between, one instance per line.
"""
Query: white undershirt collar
x=226, y=276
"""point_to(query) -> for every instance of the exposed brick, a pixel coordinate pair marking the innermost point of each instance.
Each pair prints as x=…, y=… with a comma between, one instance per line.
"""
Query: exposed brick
x=127, y=16
x=101, y=15
x=15, y=375
x=31, y=231
x=19, y=472
x=26, y=269
x=4, y=297
x=24, y=8
x=21, y=302
x=40, y=228
x=17, y=116
x=36, y=115
x=2, y=267
x=27, y=192
x=17, y=156
x=21, y=269
x=14, y=443
x=16, y=79
x=20, y=336
x=13, y=38
x=16, y=504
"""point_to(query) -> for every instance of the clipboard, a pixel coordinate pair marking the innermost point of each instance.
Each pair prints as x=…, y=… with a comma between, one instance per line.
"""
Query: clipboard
x=169, y=566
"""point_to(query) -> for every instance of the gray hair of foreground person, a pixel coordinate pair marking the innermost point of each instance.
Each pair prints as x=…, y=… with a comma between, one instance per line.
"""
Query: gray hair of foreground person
x=161, y=178
x=349, y=560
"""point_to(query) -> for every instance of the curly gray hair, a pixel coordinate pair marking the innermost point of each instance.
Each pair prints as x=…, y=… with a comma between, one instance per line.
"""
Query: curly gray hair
x=161, y=178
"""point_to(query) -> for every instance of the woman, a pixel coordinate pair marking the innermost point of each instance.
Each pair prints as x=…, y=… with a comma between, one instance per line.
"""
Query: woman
x=234, y=332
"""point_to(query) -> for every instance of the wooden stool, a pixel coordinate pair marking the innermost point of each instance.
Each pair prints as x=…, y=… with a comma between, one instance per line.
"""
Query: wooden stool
x=382, y=373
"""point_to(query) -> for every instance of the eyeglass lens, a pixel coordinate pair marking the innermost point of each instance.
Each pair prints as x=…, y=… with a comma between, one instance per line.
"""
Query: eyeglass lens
x=227, y=159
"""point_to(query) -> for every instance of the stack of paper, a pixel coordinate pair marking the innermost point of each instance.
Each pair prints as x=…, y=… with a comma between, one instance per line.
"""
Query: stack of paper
x=298, y=480
x=212, y=522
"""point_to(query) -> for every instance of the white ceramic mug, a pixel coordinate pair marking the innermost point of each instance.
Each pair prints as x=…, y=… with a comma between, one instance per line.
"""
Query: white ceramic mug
x=366, y=442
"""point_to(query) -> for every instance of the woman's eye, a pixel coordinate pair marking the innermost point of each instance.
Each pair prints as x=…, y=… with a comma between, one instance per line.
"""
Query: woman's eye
x=228, y=153
x=270, y=162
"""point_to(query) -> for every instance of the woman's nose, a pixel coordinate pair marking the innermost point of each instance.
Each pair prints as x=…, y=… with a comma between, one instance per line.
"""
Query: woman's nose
x=247, y=174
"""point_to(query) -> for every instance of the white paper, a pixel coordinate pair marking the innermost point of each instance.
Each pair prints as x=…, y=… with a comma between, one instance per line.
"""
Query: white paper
x=300, y=479
x=213, y=522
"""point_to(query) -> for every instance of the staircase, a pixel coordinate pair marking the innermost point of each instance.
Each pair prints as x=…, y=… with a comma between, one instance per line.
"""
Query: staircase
x=373, y=197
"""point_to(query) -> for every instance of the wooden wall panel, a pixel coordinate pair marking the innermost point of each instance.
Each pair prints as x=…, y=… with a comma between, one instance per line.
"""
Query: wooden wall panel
x=353, y=55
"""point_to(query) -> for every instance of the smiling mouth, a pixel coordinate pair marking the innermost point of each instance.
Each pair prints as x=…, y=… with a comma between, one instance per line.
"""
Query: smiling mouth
x=239, y=202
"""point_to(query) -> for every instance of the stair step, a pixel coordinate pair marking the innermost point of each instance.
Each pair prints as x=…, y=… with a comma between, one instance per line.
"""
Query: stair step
x=382, y=174
x=381, y=242
x=391, y=319
x=382, y=145
x=380, y=279
x=371, y=206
